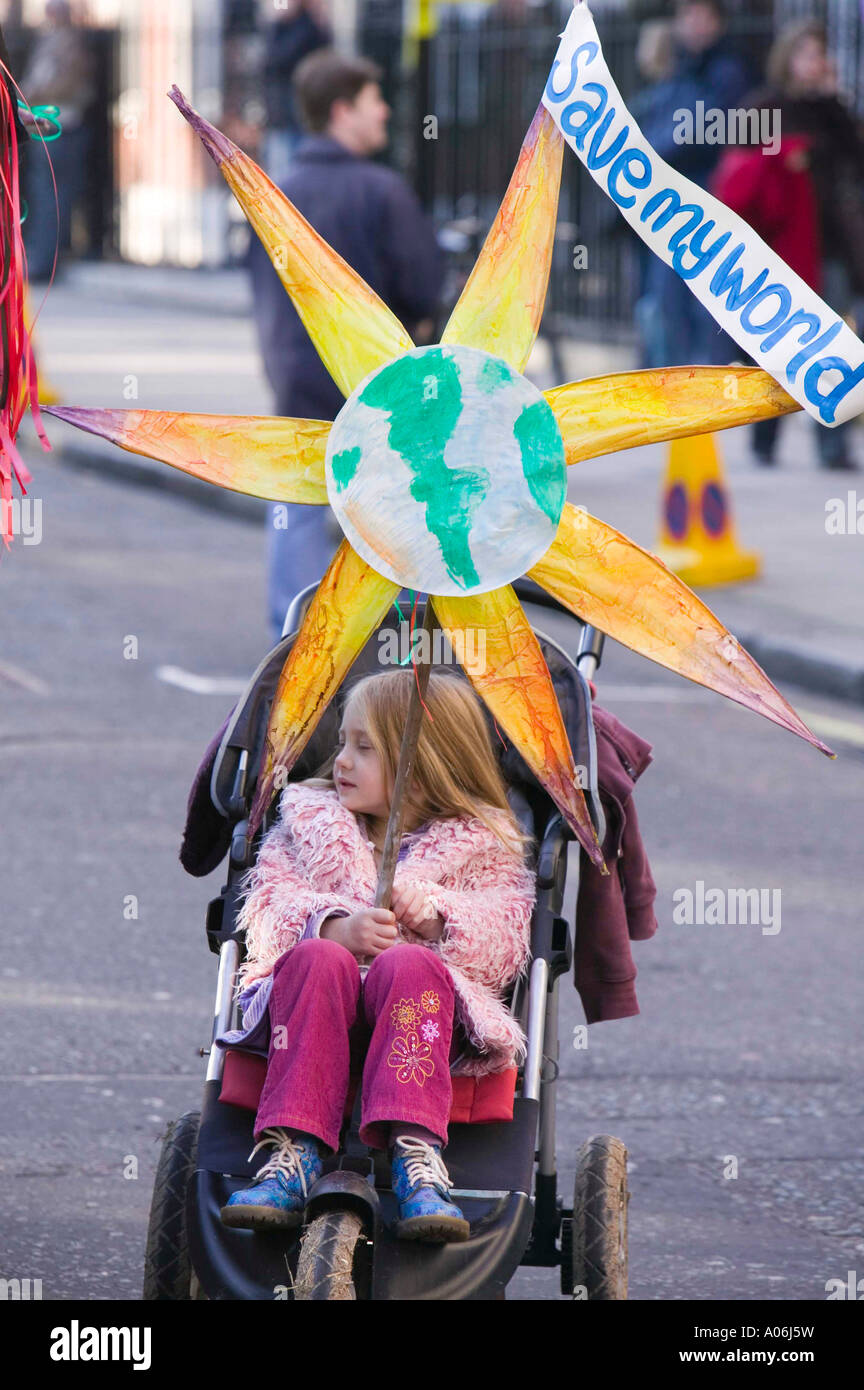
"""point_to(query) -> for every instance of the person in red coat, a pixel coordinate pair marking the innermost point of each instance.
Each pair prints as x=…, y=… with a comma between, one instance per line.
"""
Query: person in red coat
x=805, y=200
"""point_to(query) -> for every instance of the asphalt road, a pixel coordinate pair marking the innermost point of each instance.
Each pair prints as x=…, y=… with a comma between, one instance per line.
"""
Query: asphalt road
x=748, y=1044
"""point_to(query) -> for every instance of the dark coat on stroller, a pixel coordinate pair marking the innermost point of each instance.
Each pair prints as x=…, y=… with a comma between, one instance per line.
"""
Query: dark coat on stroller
x=613, y=910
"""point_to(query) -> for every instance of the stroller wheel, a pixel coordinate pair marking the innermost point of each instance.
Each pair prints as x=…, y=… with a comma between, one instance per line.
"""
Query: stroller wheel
x=167, y=1270
x=331, y=1261
x=597, y=1241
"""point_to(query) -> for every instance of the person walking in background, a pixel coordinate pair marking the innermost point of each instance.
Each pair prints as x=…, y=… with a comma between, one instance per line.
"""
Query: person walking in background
x=297, y=28
x=19, y=133
x=655, y=60
x=806, y=201
x=705, y=68
x=370, y=216
x=59, y=73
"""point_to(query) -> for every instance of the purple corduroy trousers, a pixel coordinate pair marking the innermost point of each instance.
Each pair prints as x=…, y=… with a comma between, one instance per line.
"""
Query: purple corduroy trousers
x=328, y=1021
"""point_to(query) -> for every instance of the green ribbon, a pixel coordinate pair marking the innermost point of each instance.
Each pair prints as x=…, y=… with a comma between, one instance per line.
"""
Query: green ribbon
x=44, y=113
x=403, y=619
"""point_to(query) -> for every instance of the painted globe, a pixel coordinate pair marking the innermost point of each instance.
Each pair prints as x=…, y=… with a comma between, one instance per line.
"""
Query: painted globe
x=446, y=471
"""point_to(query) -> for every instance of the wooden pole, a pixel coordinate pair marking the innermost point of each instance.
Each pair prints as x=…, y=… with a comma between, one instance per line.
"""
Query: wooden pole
x=405, y=767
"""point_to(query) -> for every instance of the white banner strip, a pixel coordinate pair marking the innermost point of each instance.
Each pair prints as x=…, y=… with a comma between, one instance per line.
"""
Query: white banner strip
x=744, y=285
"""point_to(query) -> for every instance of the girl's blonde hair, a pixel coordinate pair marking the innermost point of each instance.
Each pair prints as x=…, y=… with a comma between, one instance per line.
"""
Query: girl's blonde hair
x=455, y=770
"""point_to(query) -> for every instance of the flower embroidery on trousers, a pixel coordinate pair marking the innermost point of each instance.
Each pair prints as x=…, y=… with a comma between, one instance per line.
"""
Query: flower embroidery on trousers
x=429, y=1030
x=429, y=1001
x=411, y=1058
x=405, y=1014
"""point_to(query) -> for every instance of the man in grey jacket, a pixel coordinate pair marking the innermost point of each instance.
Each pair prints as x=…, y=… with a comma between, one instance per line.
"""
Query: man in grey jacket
x=372, y=218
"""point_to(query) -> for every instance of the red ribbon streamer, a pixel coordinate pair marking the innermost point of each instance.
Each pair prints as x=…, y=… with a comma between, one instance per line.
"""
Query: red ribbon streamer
x=18, y=379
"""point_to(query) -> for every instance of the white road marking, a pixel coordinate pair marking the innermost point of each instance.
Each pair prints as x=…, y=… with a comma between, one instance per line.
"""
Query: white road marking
x=840, y=730
x=16, y=676
x=200, y=685
x=848, y=731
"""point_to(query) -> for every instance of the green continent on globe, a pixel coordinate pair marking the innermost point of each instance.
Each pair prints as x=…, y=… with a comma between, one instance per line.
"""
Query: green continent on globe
x=423, y=398
x=493, y=374
x=539, y=440
x=344, y=465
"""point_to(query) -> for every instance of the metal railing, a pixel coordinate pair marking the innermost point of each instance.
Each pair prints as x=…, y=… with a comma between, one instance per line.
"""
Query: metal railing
x=481, y=80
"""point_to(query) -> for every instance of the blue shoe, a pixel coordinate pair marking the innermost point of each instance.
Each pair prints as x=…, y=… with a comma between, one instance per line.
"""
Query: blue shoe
x=421, y=1183
x=281, y=1186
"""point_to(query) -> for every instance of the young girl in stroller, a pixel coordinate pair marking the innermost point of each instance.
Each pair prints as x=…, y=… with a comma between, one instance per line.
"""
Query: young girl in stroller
x=411, y=995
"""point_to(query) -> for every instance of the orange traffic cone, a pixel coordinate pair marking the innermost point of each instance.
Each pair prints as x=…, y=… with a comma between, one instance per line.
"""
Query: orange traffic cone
x=698, y=537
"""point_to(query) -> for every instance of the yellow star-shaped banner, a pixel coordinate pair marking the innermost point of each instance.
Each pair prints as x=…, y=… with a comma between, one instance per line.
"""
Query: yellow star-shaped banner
x=447, y=471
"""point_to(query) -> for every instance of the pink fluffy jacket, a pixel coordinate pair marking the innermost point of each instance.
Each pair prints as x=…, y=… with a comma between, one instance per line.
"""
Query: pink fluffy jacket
x=316, y=857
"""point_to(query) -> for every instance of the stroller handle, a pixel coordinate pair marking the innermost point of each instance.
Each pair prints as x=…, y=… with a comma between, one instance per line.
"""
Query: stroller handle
x=589, y=653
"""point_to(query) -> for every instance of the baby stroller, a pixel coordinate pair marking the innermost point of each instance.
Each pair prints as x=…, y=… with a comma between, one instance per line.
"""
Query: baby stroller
x=501, y=1150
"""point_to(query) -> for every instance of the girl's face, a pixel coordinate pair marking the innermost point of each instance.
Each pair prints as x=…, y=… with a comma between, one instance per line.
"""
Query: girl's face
x=357, y=771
